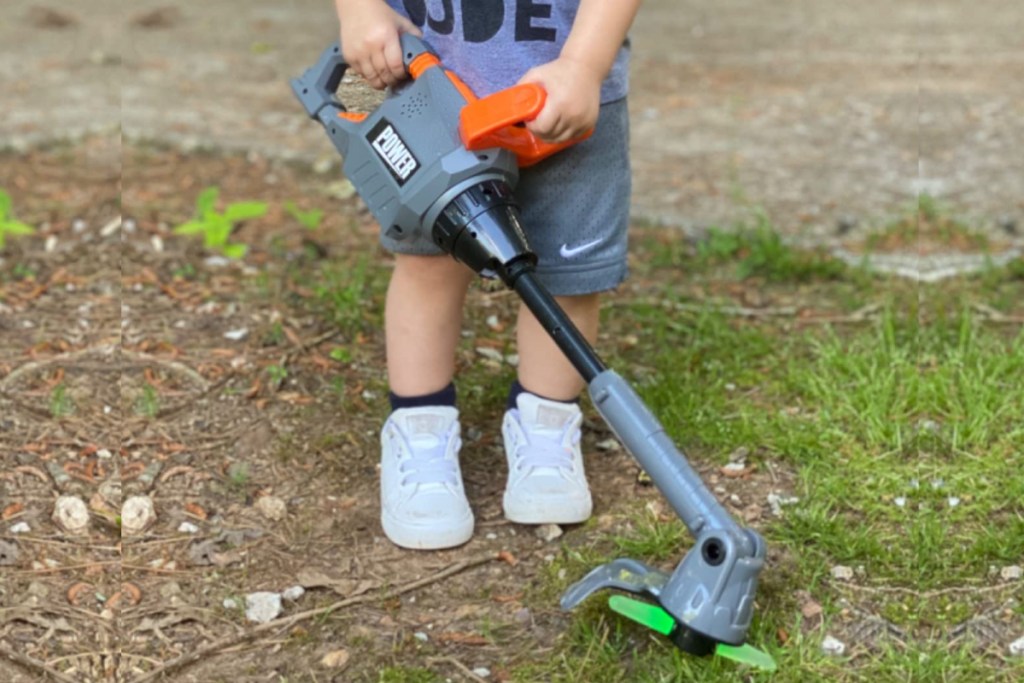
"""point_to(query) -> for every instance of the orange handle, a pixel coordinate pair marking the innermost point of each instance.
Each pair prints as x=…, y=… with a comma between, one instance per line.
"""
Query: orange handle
x=497, y=121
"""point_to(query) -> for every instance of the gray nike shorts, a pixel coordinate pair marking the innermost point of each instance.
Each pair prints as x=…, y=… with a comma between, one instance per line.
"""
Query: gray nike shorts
x=575, y=210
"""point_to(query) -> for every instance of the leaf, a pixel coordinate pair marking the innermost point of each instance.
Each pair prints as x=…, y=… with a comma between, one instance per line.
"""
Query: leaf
x=17, y=228
x=218, y=229
x=190, y=228
x=206, y=202
x=308, y=219
x=241, y=211
x=5, y=205
x=235, y=251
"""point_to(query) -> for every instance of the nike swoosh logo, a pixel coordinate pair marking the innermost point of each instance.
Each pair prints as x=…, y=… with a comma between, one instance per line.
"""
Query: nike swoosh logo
x=566, y=252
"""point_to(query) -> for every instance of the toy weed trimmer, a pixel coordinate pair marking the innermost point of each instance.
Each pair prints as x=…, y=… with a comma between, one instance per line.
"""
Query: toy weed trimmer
x=433, y=159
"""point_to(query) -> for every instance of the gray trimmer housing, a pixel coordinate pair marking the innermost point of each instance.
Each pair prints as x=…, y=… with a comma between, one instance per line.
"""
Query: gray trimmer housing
x=405, y=158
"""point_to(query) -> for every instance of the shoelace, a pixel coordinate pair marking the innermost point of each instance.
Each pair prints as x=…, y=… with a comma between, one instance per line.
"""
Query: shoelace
x=428, y=465
x=545, y=451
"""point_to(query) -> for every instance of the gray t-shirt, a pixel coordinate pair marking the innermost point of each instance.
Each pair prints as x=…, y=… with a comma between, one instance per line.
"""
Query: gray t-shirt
x=490, y=44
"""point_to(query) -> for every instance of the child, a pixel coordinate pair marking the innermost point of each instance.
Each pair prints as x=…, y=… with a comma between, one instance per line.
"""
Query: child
x=575, y=210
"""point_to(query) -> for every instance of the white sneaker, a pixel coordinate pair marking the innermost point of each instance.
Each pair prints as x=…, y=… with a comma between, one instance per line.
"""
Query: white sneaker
x=423, y=503
x=546, y=481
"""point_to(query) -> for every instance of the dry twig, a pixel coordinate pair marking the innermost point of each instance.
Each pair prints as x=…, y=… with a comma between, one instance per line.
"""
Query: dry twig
x=287, y=622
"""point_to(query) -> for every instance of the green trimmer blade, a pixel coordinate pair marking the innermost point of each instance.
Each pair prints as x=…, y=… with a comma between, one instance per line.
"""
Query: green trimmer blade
x=660, y=621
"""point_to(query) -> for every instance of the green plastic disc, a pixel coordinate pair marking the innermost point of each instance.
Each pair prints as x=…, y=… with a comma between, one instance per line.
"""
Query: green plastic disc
x=651, y=616
x=657, y=619
x=746, y=654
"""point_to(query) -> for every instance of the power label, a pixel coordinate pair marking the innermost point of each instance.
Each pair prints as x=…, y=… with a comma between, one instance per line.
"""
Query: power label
x=393, y=151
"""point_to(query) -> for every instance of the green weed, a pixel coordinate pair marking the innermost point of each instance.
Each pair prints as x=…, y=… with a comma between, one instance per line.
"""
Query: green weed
x=148, y=403
x=308, y=219
x=216, y=227
x=61, y=404
x=9, y=226
x=759, y=251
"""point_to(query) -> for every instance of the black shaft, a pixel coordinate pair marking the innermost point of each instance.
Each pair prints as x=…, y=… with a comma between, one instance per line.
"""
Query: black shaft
x=553, y=319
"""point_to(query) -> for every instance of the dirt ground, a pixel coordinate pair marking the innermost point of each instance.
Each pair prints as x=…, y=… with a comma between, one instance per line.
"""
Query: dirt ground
x=813, y=111
x=134, y=367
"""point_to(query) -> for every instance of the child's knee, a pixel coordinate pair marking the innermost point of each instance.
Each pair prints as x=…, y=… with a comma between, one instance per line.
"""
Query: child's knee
x=434, y=270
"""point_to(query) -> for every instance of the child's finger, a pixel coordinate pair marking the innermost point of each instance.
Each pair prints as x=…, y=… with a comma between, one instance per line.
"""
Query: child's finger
x=393, y=59
x=406, y=26
x=380, y=66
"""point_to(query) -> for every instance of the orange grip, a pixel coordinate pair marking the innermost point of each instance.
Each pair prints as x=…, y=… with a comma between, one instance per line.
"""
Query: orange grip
x=497, y=121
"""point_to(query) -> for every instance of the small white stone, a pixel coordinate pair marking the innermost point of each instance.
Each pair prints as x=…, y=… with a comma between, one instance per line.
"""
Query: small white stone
x=833, y=646
x=293, y=593
x=953, y=501
x=115, y=225
x=230, y=603
x=71, y=514
x=51, y=244
x=735, y=467
x=491, y=536
x=78, y=225
x=188, y=528
x=421, y=636
x=548, y=532
x=493, y=322
x=271, y=507
x=1017, y=647
x=490, y=354
x=262, y=606
x=137, y=513
x=157, y=242
x=739, y=456
x=776, y=502
x=103, y=453
x=841, y=573
x=237, y=335
x=482, y=672
x=1011, y=573
x=20, y=528
x=900, y=501
x=609, y=445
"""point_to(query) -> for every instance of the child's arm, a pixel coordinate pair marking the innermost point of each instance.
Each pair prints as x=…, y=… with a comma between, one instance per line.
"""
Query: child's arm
x=573, y=81
x=369, y=40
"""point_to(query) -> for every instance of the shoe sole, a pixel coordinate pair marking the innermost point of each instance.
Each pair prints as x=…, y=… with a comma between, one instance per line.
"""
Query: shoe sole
x=427, y=536
x=539, y=514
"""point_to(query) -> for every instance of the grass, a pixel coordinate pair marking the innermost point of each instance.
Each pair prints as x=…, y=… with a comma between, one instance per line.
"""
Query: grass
x=901, y=439
x=921, y=407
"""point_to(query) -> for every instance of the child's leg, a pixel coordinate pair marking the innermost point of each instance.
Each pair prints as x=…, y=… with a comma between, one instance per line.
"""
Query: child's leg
x=423, y=322
x=423, y=502
x=541, y=429
x=543, y=368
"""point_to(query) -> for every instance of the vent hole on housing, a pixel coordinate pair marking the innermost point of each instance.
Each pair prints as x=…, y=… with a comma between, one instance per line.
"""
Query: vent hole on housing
x=713, y=552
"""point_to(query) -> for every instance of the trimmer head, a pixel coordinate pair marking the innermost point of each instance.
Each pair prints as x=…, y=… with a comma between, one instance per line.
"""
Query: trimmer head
x=657, y=619
x=637, y=578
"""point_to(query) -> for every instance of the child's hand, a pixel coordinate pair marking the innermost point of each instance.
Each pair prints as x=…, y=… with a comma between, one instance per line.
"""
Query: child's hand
x=574, y=99
x=370, y=40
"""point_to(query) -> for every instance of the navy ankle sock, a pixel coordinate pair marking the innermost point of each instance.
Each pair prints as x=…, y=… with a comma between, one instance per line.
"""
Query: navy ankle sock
x=517, y=388
x=444, y=397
